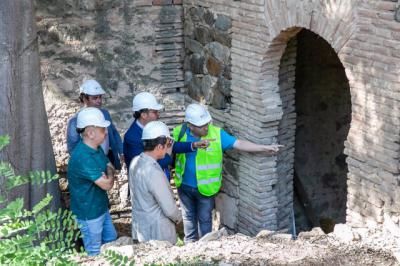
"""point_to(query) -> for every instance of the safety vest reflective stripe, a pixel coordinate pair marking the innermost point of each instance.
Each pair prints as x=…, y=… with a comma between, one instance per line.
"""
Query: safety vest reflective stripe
x=208, y=181
x=208, y=166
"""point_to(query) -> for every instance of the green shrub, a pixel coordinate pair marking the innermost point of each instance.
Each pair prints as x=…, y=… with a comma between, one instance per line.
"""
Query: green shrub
x=33, y=237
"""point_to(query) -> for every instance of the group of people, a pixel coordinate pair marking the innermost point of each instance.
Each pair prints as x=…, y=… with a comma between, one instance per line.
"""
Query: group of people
x=194, y=151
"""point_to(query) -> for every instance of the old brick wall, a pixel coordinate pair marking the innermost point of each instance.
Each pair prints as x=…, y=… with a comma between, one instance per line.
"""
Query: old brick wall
x=237, y=57
x=364, y=35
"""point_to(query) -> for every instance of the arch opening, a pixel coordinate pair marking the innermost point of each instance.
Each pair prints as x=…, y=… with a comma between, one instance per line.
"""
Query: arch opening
x=316, y=119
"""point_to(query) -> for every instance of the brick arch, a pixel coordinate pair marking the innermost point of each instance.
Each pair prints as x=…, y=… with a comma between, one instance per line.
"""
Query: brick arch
x=256, y=101
x=324, y=18
x=284, y=51
x=332, y=20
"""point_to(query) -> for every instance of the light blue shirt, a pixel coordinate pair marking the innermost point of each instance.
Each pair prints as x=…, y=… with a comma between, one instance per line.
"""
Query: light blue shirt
x=189, y=176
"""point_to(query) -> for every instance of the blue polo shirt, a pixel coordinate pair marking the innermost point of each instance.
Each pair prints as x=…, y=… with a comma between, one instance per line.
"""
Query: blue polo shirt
x=86, y=165
x=189, y=176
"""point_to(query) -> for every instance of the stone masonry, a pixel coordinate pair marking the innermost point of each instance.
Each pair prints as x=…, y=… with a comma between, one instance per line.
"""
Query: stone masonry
x=240, y=58
x=128, y=46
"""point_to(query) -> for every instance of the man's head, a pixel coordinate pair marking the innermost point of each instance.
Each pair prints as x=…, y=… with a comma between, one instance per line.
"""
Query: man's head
x=146, y=108
x=156, y=138
x=198, y=119
x=92, y=125
x=91, y=93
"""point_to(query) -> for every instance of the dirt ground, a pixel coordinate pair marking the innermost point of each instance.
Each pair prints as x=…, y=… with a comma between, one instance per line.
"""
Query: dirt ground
x=268, y=248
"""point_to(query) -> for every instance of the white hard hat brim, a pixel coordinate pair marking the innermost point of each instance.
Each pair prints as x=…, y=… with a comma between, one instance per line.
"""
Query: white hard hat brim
x=97, y=92
x=156, y=107
x=154, y=137
x=201, y=122
x=105, y=124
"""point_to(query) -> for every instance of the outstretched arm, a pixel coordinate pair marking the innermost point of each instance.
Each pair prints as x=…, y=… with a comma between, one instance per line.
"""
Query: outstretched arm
x=244, y=145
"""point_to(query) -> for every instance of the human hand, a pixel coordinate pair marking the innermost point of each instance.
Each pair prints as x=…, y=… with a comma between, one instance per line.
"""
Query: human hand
x=202, y=144
x=272, y=148
x=103, y=175
x=110, y=170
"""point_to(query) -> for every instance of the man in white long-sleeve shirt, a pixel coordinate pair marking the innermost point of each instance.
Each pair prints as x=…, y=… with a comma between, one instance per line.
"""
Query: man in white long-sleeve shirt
x=154, y=211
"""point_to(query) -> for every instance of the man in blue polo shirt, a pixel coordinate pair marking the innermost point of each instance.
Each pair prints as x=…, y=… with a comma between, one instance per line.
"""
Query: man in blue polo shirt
x=90, y=175
x=198, y=175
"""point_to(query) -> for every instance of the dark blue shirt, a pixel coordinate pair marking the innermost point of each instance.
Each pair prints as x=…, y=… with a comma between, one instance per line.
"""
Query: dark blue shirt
x=133, y=146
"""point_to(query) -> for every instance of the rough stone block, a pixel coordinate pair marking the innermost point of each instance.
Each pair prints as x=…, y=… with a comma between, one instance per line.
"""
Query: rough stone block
x=228, y=209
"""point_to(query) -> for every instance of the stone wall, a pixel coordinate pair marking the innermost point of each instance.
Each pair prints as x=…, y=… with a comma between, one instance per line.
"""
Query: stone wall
x=237, y=57
x=128, y=46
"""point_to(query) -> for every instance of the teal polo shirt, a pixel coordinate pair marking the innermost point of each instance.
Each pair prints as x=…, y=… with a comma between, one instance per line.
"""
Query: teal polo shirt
x=88, y=201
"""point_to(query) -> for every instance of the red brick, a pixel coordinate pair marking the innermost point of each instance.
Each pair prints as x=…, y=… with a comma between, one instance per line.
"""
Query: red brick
x=162, y=2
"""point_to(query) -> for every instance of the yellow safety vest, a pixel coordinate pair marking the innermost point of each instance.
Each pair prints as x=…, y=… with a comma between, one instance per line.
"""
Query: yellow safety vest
x=208, y=162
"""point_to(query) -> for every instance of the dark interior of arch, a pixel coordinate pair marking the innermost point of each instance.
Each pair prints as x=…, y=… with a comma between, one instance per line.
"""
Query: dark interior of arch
x=323, y=116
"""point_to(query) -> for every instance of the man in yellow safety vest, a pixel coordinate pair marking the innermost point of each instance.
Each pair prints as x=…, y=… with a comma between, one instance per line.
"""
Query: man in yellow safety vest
x=198, y=174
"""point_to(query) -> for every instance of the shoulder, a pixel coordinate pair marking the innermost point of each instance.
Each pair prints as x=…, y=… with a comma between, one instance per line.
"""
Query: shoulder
x=104, y=111
x=177, y=128
x=226, y=135
x=80, y=153
x=72, y=120
x=227, y=140
x=147, y=165
x=134, y=132
x=106, y=114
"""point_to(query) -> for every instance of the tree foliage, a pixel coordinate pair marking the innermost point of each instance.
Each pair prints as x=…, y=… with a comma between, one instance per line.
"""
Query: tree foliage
x=38, y=236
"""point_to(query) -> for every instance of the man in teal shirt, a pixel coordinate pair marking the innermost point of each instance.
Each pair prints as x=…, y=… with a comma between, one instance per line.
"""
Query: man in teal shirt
x=90, y=175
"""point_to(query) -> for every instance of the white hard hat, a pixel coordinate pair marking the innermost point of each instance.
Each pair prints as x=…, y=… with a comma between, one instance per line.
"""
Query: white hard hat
x=197, y=115
x=155, y=129
x=91, y=116
x=91, y=87
x=145, y=100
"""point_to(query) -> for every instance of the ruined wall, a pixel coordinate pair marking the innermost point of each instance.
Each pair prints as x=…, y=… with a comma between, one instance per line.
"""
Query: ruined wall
x=364, y=36
x=128, y=46
x=231, y=59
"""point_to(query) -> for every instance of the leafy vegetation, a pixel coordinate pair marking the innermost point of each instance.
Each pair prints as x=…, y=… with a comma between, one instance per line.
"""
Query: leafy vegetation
x=33, y=237
x=116, y=259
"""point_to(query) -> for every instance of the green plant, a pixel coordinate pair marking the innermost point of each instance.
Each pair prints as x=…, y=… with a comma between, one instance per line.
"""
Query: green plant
x=116, y=259
x=179, y=242
x=33, y=237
